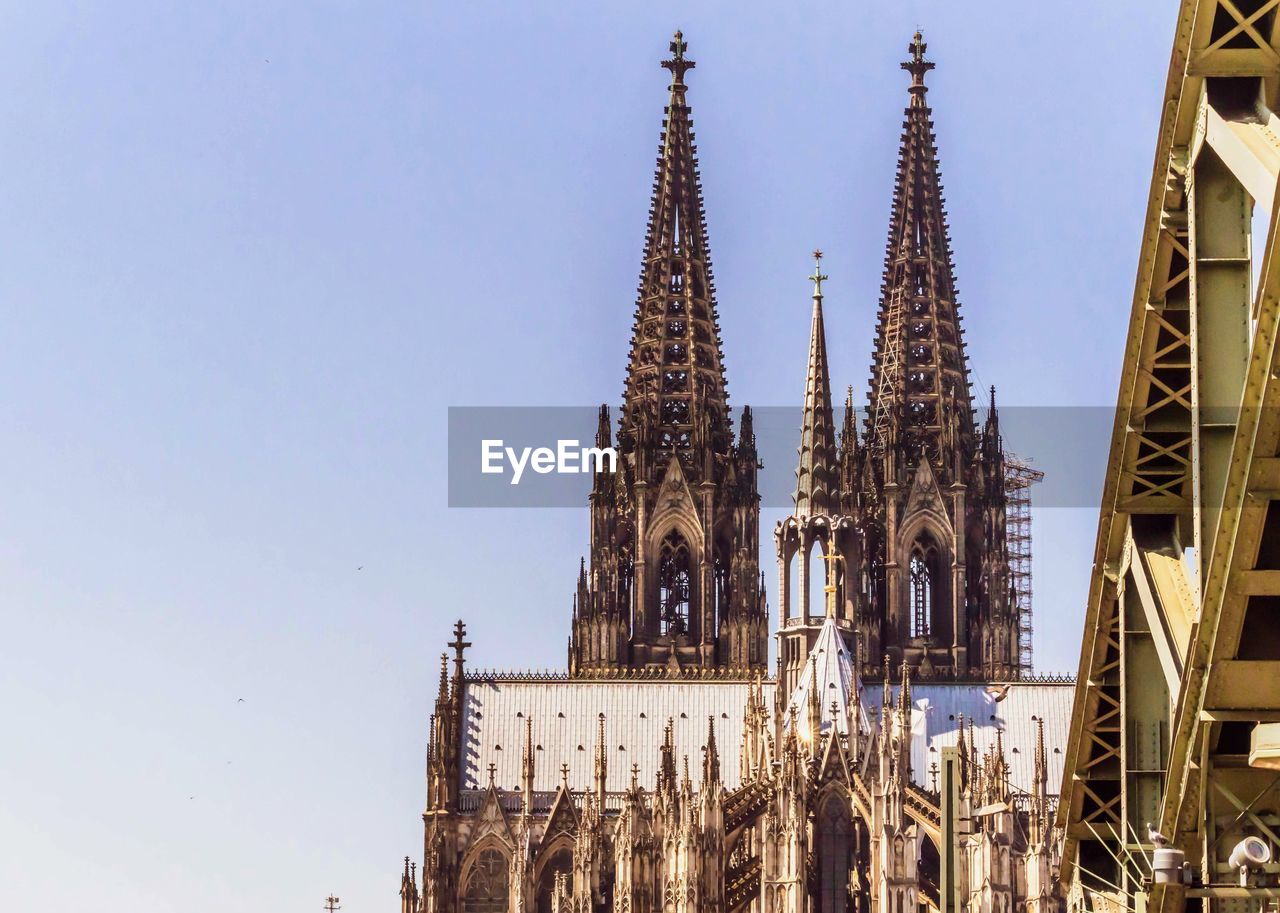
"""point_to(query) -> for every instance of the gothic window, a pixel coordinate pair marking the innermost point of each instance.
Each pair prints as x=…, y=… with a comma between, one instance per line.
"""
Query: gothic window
x=674, y=581
x=676, y=353
x=921, y=568
x=560, y=863
x=835, y=856
x=675, y=327
x=675, y=306
x=486, y=889
x=675, y=381
x=677, y=277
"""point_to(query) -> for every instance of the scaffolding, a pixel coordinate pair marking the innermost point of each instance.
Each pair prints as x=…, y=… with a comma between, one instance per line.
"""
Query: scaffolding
x=1018, y=479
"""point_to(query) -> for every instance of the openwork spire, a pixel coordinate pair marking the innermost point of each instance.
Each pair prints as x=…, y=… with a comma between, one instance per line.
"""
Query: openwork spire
x=817, y=475
x=675, y=390
x=919, y=398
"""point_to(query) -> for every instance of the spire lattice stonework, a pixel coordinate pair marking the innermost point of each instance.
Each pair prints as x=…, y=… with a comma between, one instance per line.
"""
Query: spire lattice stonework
x=673, y=585
x=675, y=390
x=919, y=398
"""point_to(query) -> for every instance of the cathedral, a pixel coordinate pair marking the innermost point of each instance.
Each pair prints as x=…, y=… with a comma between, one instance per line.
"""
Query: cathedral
x=899, y=756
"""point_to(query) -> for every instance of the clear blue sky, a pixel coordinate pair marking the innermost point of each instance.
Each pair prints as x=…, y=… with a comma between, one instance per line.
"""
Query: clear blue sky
x=252, y=252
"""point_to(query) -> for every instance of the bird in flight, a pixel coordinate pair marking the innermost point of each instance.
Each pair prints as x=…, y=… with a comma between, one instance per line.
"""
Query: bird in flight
x=997, y=693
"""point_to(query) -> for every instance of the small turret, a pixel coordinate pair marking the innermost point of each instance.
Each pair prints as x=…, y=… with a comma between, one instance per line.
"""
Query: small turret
x=527, y=766
x=711, y=759
x=602, y=765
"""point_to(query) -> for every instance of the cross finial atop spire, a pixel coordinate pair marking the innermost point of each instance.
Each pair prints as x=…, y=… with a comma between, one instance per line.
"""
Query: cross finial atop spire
x=678, y=64
x=459, y=648
x=817, y=277
x=917, y=66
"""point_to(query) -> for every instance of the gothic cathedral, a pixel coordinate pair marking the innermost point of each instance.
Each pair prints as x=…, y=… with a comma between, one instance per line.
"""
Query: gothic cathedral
x=898, y=759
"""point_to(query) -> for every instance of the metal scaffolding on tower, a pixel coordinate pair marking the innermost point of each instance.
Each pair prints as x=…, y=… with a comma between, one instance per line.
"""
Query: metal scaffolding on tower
x=1018, y=479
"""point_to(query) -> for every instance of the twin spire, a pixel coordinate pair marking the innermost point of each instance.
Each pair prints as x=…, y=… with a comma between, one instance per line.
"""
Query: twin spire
x=919, y=398
x=675, y=389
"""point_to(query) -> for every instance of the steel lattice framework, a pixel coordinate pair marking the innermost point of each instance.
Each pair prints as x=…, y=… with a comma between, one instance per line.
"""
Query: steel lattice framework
x=1181, y=652
x=1019, y=476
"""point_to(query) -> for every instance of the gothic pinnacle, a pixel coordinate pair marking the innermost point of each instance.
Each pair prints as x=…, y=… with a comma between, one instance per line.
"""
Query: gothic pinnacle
x=711, y=760
x=816, y=473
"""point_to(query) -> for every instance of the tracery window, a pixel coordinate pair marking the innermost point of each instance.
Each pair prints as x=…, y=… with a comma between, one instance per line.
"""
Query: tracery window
x=486, y=889
x=921, y=569
x=835, y=856
x=674, y=578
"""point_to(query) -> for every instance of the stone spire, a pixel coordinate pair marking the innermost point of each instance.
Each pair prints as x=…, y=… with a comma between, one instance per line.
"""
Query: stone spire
x=929, y=499
x=675, y=531
x=675, y=382
x=817, y=485
x=919, y=396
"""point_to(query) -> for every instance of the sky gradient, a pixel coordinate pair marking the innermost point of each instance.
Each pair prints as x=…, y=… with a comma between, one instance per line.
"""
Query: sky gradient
x=254, y=251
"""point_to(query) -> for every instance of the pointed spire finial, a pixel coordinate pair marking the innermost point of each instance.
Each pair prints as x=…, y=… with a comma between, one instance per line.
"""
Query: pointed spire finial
x=678, y=64
x=818, y=278
x=917, y=66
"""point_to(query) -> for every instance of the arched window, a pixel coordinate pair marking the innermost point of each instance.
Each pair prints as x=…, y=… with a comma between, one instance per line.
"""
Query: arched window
x=835, y=856
x=818, y=579
x=673, y=585
x=921, y=569
x=560, y=863
x=723, y=584
x=486, y=889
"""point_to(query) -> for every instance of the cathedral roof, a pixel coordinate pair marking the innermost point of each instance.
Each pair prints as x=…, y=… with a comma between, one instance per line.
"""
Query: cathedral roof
x=938, y=709
x=566, y=714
